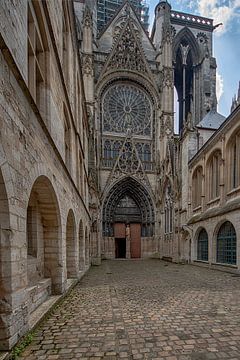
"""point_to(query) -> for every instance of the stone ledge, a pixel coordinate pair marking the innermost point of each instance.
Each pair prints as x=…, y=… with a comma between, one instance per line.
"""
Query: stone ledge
x=42, y=310
x=38, y=294
x=213, y=212
x=38, y=315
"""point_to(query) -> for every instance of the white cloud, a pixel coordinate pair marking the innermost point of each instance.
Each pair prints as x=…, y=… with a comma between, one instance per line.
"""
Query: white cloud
x=220, y=13
x=219, y=86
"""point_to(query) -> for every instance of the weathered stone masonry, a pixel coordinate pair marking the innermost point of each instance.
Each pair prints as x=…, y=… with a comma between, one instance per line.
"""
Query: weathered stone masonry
x=45, y=219
x=90, y=164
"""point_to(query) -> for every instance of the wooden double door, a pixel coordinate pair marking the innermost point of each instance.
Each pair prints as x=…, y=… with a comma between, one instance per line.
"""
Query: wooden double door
x=122, y=246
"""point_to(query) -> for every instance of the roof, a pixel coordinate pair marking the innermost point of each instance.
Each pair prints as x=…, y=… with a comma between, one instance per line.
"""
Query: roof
x=215, y=136
x=212, y=120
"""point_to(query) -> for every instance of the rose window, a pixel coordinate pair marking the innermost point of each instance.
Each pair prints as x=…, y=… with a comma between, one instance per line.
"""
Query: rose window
x=127, y=108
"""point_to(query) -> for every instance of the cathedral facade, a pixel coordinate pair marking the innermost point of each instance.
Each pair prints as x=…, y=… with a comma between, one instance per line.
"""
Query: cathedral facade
x=132, y=77
x=96, y=162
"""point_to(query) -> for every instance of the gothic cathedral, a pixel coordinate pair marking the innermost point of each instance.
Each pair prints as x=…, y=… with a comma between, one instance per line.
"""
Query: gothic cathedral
x=111, y=147
x=142, y=147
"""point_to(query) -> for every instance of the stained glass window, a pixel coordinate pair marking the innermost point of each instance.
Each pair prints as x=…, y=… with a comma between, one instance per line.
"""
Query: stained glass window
x=127, y=108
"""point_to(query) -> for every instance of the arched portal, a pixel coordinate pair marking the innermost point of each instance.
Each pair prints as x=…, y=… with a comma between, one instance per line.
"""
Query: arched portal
x=43, y=238
x=81, y=247
x=5, y=262
x=71, y=246
x=86, y=247
x=128, y=215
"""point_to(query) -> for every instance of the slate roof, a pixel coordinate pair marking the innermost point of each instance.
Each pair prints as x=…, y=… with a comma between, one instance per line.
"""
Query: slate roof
x=212, y=120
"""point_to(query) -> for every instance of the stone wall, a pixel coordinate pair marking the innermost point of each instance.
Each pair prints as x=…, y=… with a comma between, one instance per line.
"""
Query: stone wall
x=33, y=165
x=213, y=212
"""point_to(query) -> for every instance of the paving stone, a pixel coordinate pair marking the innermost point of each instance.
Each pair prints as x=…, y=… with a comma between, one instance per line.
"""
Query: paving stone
x=144, y=310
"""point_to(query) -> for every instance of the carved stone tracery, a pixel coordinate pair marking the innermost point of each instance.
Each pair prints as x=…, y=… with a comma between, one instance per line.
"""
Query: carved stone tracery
x=127, y=54
x=87, y=65
x=168, y=80
x=119, y=27
x=126, y=106
x=87, y=18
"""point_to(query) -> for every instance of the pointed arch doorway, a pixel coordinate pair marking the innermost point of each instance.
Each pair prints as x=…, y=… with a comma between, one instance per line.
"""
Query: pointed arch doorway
x=127, y=228
x=128, y=216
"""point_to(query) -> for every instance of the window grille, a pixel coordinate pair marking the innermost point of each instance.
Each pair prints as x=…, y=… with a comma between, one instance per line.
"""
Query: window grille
x=226, y=244
x=202, y=246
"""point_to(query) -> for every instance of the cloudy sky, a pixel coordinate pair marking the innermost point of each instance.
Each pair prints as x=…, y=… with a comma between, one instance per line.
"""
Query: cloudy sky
x=226, y=41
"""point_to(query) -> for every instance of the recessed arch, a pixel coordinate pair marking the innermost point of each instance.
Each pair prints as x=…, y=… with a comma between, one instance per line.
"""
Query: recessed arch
x=4, y=229
x=215, y=151
x=5, y=261
x=186, y=55
x=71, y=246
x=81, y=246
x=86, y=247
x=226, y=243
x=139, y=194
x=44, y=235
x=202, y=244
x=168, y=207
x=197, y=179
x=186, y=36
x=233, y=160
x=213, y=174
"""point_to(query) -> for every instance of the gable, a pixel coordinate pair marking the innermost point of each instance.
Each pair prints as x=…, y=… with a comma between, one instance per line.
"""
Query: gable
x=127, y=53
x=110, y=33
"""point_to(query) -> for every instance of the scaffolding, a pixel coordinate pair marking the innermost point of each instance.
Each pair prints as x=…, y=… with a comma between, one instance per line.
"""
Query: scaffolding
x=107, y=8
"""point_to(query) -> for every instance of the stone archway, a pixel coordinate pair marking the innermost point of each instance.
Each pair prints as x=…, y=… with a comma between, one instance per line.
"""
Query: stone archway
x=86, y=247
x=128, y=216
x=81, y=246
x=43, y=230
x=71, y=246
x=5, y=264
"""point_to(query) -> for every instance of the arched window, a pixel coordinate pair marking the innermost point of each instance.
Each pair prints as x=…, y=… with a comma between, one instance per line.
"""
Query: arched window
x=107, y=153
x=226, y=244
x=197, y=187
x=127, y=106
x=168, y=210
x=65, y=43
x=139, y=148
x=147, y=153
x=202, y=246
x=186, y=55
x=116, y=149
x=67, y=139
x=38, y=58
x=235, y=161
x=147, y=156
x=214, y=175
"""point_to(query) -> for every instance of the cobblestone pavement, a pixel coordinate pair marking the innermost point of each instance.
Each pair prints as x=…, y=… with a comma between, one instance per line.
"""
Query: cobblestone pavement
x=145, y=309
